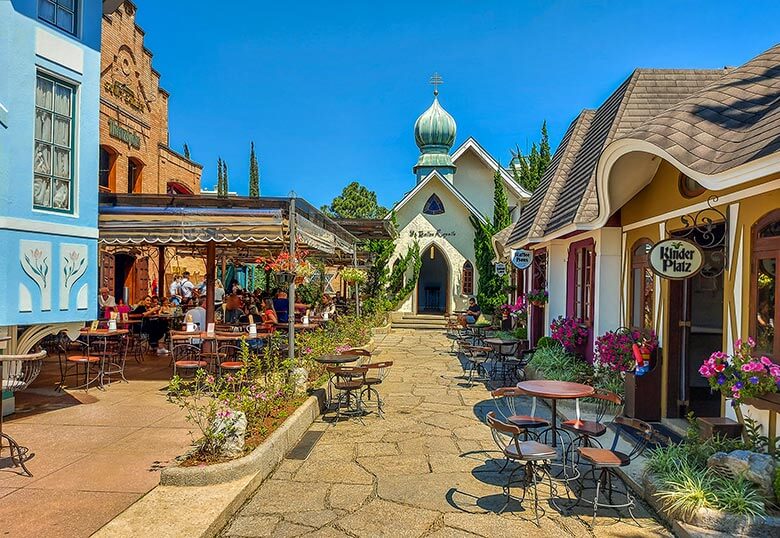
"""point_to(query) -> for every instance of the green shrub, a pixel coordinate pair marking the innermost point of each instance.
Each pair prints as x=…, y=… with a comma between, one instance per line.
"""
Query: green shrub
x=777, y=484
x=738, y=496
x=546, y=341
x=558, y=364
x=687, y=491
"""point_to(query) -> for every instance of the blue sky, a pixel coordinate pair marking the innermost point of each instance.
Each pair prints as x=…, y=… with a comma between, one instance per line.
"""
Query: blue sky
x=329, y=91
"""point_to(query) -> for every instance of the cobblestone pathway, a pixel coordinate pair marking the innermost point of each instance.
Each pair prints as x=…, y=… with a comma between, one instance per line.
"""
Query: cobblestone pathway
x=424, y=470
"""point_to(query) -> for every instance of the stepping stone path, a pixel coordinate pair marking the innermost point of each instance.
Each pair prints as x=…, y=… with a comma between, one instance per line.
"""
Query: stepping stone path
x=430, y=468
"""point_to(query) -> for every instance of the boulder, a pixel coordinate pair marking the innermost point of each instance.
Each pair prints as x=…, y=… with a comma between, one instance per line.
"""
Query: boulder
x=232, y=425
x=755, y=467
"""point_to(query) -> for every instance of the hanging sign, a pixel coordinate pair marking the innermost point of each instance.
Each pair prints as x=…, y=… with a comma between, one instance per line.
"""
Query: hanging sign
x=676, y=259
x=500, y=269
x=522, y=258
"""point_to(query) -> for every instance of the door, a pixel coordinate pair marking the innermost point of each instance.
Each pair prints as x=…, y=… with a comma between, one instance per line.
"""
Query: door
x=695, y=331
x=124, y=275
x=107, y=272
x=141, y=280
x=432, y=285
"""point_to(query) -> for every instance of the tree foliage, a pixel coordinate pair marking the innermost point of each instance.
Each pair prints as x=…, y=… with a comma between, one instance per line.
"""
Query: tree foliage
x=398, y=288
x=254, y=173
x=221, y=190
x=186, y=151
x=355, y=202
x=490, y=289
x=529, y=169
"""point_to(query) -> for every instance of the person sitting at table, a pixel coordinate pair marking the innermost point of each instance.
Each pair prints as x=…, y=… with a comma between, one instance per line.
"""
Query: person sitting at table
x=326, y=306
x=269, y=314
x=106, y=303
x=233, y=310
x=122, y=309
x=281, y=307
x=472, y=313
x=198, y=314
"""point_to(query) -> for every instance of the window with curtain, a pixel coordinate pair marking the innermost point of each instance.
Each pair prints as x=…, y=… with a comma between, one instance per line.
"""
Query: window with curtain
x=433, y=206
x=765, y=303
x=53, y=160
x=60, y=13
x=642, y=285
x=468, y=278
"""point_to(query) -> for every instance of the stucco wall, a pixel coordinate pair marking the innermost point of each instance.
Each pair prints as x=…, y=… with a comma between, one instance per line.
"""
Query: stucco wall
x=53, y=242
x=474, y=180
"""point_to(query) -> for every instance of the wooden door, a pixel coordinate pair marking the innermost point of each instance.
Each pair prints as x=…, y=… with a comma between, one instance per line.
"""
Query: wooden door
x=107, y=272
x=141, y=280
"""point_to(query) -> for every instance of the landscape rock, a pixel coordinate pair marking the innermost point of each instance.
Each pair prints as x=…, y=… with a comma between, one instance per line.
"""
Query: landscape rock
x=233, y=426
x=755, y=467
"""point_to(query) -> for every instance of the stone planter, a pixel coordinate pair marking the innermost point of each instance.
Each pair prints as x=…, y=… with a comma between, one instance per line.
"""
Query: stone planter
x=261, y=461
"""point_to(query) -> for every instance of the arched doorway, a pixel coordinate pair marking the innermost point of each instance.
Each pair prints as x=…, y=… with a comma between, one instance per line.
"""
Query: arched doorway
x=433, y=284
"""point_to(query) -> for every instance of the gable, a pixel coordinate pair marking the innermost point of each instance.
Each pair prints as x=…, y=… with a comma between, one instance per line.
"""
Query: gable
x=457, y=210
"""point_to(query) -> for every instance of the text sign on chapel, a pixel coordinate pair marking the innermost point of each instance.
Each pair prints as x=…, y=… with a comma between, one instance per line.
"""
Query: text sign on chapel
x=423, y=234
x=676, y=259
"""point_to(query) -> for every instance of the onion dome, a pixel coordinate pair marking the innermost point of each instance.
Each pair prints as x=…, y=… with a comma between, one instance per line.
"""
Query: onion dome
x=434, y=133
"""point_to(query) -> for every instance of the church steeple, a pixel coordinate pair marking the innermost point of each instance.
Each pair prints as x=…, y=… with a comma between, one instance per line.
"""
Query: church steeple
x=434, y=133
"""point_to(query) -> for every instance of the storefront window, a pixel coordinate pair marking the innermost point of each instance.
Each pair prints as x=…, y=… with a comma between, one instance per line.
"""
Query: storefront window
x=764, y=303
x=581, y=263
x=642, y=291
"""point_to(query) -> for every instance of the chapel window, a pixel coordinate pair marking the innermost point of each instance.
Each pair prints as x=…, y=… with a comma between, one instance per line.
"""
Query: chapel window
x=468, y=278
x=433, y=206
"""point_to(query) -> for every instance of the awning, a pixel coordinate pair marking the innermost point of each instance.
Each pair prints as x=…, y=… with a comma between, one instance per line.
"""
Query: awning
x=139, y=219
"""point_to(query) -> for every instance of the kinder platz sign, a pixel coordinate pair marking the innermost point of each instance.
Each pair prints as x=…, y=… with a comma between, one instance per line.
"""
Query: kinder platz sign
x=522, y=259
x=676, y=259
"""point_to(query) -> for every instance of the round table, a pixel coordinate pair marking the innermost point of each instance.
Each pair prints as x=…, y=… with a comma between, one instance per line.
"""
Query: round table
x=554, y=391
x=337, y=360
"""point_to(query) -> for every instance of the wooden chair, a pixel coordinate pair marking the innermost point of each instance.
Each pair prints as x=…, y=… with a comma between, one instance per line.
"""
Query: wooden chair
x=187, y=357
x=586, y=432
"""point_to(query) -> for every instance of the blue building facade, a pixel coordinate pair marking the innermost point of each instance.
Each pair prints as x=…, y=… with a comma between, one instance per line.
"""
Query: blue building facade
x=49, y=106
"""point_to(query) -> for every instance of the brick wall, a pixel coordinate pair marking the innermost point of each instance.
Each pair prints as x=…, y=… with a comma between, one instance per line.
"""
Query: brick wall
x=131, y=96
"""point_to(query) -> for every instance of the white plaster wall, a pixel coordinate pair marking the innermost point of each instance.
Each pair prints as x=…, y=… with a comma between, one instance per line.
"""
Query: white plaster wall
x=556, y=282
x=457, y=248
x=474, y=180
x=606, y=312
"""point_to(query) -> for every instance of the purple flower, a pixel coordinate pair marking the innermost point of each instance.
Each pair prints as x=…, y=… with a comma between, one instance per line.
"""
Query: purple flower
x=738, y=385
x=754, y=380
x=721, y=379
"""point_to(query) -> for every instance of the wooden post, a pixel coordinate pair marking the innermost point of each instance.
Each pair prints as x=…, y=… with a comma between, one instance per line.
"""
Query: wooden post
x=211, y=267
x=162, y=290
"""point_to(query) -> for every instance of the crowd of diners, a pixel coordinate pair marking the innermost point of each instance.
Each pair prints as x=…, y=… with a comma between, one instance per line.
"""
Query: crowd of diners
x=157, y=313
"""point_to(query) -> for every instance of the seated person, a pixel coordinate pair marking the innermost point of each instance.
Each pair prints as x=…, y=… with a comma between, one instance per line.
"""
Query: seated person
x=106, y=303
x=327, y=306
x=472, y=313
x=281, y=307
x=198, y=315
x=269, y=314
x=233, y=312
x=122, y=309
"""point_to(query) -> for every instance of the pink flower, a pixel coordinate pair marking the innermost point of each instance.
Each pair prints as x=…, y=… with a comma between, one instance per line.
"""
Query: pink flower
x=766, y=361
x=751, y=342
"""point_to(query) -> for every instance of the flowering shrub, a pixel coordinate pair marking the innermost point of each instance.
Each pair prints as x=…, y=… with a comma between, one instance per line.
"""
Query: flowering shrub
x=614, y=349
x=517, y=310
x=537, y=296
x=283, y=262
x=569, y=332
x=741, y=375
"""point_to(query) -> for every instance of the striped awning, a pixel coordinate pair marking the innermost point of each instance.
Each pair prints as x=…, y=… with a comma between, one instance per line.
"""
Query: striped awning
x=190, y=220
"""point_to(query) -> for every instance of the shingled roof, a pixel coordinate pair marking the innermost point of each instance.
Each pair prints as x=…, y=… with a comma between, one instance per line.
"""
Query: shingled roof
x=553, y=179
x=729, y=123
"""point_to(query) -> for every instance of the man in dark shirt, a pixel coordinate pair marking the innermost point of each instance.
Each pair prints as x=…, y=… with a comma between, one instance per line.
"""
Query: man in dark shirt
x=281, y=307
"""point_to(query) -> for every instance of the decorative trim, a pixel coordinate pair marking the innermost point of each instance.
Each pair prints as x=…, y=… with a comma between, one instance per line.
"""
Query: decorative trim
x=36, y=260
x=488, y=159
x=25, y=298
x=82, y=298
x=38, y=226
x=411, y=194
x=75, y=260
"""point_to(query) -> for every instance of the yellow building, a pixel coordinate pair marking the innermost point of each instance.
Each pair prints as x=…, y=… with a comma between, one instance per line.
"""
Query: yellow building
x=701, y=172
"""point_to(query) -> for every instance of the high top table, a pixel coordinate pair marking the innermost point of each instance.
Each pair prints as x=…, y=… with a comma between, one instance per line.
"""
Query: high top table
x=554, y=391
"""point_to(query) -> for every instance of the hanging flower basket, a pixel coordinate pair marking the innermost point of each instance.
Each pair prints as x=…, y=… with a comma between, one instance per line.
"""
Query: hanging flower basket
x=352, y=275
x=284, y=278
x=537, y=298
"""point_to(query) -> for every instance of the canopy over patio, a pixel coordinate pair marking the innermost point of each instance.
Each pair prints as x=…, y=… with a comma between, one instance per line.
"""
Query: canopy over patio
x=242, y=228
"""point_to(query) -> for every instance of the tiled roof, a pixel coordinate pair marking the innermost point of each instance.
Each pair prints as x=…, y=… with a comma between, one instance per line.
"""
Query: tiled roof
x=555, y=175
x=646, y=93
x=728, y=123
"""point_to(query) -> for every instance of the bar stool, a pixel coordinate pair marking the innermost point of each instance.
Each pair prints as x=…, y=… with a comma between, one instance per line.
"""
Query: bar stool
x=379, y=369
x=349, y=381
x=17, y=372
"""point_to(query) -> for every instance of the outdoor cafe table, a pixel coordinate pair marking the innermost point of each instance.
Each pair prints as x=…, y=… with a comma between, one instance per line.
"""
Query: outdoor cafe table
x=103, y=334
x=554, y=391
x=335, y=360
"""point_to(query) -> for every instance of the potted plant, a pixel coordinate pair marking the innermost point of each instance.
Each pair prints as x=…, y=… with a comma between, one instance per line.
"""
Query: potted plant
x=741, y=376
x=353, y=275
x=287, y=267
x=537, y=298
x=570, y=332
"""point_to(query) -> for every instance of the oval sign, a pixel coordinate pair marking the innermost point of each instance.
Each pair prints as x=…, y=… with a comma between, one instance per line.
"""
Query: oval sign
x=676, y=259
x=522, y=258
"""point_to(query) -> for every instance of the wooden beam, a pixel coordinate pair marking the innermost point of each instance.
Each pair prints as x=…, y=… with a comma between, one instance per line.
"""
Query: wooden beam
x=162, y=290
x=211, y=267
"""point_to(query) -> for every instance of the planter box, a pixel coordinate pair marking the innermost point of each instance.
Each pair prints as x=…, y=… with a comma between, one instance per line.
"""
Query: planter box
x=643, y=393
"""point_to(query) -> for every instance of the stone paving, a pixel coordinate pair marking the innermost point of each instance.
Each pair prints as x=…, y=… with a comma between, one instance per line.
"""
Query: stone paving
x=428, y=469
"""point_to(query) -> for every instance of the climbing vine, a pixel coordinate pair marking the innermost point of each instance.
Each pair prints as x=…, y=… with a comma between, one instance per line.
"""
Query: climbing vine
x=397, y=289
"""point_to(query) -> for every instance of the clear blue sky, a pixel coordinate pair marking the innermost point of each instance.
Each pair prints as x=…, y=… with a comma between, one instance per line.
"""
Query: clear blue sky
x=329, y=91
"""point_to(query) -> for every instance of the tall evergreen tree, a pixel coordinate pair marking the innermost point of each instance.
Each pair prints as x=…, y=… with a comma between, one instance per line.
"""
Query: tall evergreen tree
x=225, y=187
x=219, y=176
x=501, y=218
x=186, y=151
x=529, y=169
x=254, y=173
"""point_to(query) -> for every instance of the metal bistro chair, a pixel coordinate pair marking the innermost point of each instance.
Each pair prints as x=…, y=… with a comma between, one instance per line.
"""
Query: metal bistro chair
x=534, y=459
x=364, y=354
x=349, y=381
x=187, y=357
x=17, y=372
x=605, y=462
x=505, y=360
x=229, y=358
x=89, y=355
x=508, y=401
x=476, y=358
x=586, y=432
x=377, y=371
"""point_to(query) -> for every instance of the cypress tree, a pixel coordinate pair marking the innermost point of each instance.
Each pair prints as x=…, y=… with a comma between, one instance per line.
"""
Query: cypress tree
x=501, y=217
x=219, y=176
x=186, y=151
x=225, y=187
x=254, y=173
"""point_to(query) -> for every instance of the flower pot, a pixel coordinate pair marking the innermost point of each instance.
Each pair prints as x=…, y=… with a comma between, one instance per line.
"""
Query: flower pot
x=537, y=303
x=299, y=279
x=284, y=278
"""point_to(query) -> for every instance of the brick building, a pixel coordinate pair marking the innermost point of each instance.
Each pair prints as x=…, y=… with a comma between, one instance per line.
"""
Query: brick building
x=134, y=152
